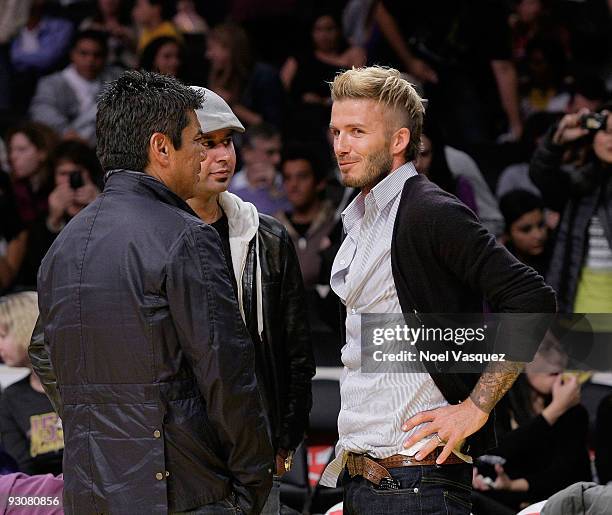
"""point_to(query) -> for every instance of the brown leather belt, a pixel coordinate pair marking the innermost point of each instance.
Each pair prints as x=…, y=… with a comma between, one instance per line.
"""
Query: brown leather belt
x=374, y=470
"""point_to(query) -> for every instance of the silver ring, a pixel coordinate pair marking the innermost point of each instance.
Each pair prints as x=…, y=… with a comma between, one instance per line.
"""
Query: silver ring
x=440, y=439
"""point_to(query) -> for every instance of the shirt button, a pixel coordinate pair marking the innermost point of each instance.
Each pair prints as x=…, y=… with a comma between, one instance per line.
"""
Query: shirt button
x=167, y=473
x=159, y=476
x=342, y=262
x=157, y=433
x=353, y=311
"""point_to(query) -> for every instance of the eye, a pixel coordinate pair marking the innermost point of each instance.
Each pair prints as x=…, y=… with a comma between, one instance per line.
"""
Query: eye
x=227, y=142
x=357, y=132
x=334, y=132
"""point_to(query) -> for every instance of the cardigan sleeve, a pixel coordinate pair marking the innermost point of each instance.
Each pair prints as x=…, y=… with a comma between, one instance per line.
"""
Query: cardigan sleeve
x=465, y=247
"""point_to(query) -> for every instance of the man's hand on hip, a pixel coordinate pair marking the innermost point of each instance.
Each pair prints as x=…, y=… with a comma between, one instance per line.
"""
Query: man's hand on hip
x=452, y=424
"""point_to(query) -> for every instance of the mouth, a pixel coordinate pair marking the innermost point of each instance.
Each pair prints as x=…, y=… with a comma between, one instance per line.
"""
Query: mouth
x=346, y=164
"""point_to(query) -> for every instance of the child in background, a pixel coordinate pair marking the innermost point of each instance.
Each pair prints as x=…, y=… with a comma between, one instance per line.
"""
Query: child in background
x=30, y=430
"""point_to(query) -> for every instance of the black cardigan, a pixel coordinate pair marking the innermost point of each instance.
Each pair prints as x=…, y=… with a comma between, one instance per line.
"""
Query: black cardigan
x=445, y=261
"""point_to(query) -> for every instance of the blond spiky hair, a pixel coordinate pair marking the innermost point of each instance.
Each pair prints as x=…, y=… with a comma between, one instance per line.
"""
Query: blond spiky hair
x=18, y=313
x=386, y=86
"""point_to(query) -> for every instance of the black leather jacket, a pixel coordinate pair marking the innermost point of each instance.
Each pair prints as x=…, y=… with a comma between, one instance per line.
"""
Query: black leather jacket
x=284, y=358
x=160, y=408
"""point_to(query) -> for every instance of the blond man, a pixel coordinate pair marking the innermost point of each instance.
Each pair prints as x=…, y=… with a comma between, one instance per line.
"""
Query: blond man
x=410, y=247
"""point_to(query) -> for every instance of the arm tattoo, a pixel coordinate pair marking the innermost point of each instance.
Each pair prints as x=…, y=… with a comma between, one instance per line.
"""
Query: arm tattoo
x=495, y=381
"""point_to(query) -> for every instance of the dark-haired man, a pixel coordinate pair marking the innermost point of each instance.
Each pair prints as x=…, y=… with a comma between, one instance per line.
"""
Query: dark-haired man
x=311, y=220
x=66, y=100
x=155, y=368
x=259, y=181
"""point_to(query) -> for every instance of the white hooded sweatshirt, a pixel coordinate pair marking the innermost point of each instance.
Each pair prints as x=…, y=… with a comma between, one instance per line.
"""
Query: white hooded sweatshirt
x=243, y=222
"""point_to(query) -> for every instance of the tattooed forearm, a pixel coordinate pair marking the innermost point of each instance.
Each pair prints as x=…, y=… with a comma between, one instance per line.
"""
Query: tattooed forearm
x=495, y=381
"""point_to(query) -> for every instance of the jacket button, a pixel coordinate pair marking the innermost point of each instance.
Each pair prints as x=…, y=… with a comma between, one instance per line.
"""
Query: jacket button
x=159, y=476
x=157, y=433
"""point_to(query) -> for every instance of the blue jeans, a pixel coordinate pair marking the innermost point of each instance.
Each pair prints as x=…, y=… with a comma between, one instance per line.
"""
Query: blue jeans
x=272, y=506
x=426, y=490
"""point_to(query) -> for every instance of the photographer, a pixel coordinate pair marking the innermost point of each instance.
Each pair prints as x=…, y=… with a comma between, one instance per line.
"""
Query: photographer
x=78, y=179
x=581, y=265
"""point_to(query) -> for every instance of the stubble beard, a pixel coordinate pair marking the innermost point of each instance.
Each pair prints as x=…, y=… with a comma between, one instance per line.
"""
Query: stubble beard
x=376, y=167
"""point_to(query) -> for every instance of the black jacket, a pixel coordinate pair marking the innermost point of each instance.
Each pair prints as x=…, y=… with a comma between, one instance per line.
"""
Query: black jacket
x=285, y=360
x=578, y=193
x=445, y=261
x=161, y=409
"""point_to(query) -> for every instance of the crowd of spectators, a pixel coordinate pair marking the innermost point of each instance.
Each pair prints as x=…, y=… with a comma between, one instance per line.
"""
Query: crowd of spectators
x=509, y=84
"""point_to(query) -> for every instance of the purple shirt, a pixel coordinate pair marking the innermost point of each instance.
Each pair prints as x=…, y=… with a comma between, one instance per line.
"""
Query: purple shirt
x=54, y=35
x=41, y=494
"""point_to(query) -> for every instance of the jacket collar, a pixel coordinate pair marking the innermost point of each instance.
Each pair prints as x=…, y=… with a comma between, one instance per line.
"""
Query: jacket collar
x=144, y=184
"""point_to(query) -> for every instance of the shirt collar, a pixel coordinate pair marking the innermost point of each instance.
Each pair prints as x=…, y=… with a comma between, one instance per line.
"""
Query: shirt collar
x=383, y=193
x=391, y=186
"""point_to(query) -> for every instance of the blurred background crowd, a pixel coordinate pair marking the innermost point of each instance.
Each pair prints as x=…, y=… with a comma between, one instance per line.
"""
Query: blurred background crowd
x=498, y=76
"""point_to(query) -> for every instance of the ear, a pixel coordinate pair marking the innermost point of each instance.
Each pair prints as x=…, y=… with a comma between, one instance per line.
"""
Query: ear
x=159, y=149
x=399, y=141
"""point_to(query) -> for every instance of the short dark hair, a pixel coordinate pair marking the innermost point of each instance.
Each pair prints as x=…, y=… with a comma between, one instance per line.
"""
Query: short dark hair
x=307, y=152
x=516, y=203
x=262, y=130
x=80, y=154
x=94, y=35
x=134, y=107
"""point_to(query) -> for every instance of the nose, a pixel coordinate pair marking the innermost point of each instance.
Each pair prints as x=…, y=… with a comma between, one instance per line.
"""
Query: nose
x=222, y=154
x=540, y=234
x=341, y=146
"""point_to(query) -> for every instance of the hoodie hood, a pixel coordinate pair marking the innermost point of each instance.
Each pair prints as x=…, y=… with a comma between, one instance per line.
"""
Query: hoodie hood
x=243, y=222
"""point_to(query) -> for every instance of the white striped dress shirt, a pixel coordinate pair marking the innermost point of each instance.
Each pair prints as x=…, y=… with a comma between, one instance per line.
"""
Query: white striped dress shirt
x=374, y=406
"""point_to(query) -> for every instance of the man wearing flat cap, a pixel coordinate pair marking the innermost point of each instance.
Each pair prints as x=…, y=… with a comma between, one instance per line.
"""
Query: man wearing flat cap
x=268, y=285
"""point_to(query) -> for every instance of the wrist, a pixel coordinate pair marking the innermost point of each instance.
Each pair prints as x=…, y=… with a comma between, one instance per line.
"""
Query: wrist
x=478, y=411
x=551, y=414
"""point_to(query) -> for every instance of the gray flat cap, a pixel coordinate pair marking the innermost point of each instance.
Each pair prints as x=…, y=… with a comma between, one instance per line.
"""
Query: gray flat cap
x=216, y=114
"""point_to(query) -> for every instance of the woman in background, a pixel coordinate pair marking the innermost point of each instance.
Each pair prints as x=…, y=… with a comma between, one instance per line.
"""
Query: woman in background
x=526, y=233
x=305, y=76
x=30, y=430
x=433, y=163
x=30, y=147
x=252, y=89
x=163, y=55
